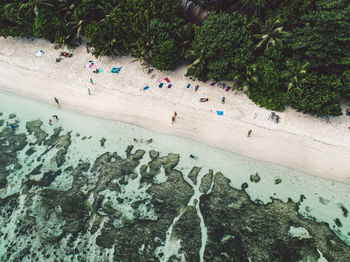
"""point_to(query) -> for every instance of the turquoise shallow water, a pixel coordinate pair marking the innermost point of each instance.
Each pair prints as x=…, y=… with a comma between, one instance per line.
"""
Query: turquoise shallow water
x=63, y=196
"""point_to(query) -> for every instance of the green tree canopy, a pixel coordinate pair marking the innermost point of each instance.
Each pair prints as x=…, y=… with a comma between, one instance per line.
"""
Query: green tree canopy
x=221, y=48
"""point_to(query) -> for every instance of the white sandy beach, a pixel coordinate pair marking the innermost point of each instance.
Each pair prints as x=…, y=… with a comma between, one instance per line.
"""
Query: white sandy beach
x=299, y=141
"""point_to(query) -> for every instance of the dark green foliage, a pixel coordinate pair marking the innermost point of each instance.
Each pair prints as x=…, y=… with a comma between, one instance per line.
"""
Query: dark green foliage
x=265, y=90
x=49, y=27
x=221, y=48
x=103, y=39
x=324, y=36
x=346, y=84
x=318, y=95
x=166, y=51
x=166, y=55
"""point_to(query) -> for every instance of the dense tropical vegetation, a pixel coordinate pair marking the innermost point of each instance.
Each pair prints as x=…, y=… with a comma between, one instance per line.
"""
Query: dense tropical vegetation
x=280, y=52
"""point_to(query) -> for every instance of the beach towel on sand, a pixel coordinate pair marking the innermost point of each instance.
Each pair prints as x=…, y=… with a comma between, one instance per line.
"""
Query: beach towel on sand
x=228, y=89
x=167, y=80
x=170, y=85
x=161, y=85
x=39, y=53
x=146, y=87
x=90, y=64
x=99, y=70
x=116, y=69
x=188, y=86
x=160, y=79
x=220, y=113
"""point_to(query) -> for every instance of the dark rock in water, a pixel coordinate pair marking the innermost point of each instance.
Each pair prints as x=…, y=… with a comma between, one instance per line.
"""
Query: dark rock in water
x=61, y=143
x=1, y=113
x=59, y=158
x=1, y=122
x=337, y=222
x=175, y=191
x=10, y=144
x=187, y=228
x=35, y=127
x=345, y=211
x=323, y=201
x=278, y=181
x=103, y=141
x=129, y=149
x=244, y=186
x=146, y=177
x=240, y=228
x=194, y=174
x=3, y=181
x=169, y=197
x=45, y=181
x=153, y=154
x=11, y=116
x=255, y=178
x=302, y=198
x=36, y=170
x=30, y=151
x=206, y=182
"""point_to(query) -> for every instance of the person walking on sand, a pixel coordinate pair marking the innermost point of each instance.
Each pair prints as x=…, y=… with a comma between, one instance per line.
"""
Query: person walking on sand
x=91, y=81
x=249, y=133
x=272, y=116
x=196, y=88
x=56, y=100
x=175, y=114
x=172, y=119
x=193, y=156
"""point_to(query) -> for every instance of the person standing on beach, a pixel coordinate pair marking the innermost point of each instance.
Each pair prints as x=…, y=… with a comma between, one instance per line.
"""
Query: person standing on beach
x=249, y=133
x=175, y=114
x=50, y=122
x=173, y=119
x=56, y=100
x=91, y=81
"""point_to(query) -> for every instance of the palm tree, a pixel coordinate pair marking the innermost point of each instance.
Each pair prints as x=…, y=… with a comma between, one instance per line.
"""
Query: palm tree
x=34, y=5
x=298, y=71
x=78, y=16
x=250, y=78
x=196, y=56
x=273, y=32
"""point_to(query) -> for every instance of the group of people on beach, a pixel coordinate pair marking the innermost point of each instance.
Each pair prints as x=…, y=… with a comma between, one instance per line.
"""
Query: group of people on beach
x=173, y=118
x=273, y=117
x=53, y=116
